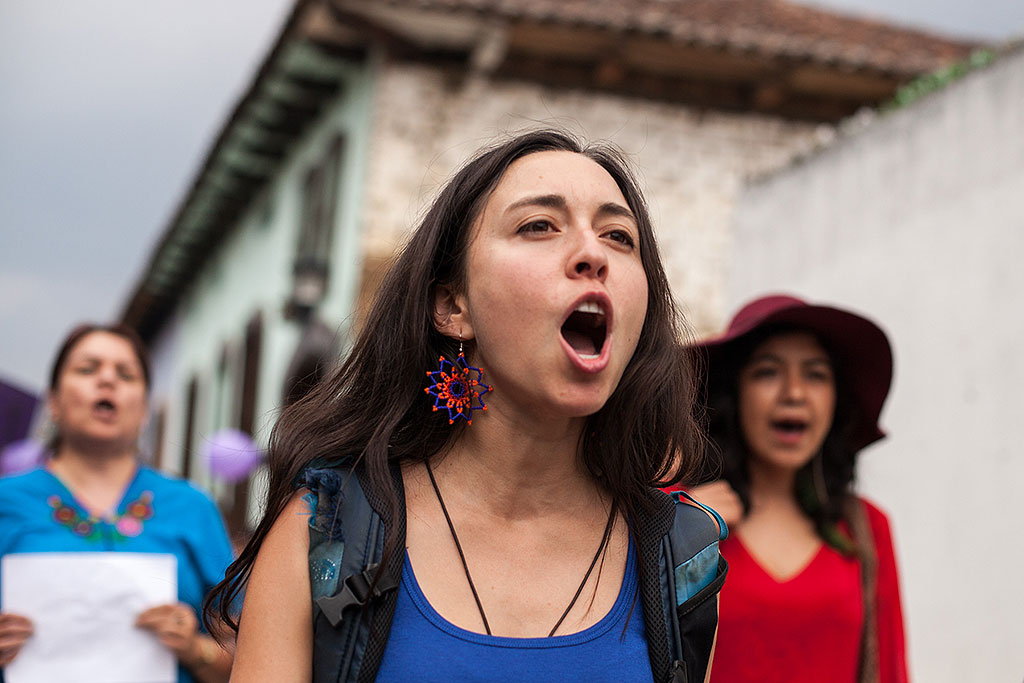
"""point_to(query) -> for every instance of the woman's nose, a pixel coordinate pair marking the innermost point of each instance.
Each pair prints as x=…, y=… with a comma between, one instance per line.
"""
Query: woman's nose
x=588, y=258
x=793, y=388
x=106, y=374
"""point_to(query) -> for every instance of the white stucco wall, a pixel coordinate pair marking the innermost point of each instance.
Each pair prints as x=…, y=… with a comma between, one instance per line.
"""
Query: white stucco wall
x=918, y=221
x=691, y=163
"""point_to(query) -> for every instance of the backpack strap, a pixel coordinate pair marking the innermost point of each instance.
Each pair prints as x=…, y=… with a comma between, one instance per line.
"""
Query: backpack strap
x=347, y=537
x=857, y=517
x=695, y=572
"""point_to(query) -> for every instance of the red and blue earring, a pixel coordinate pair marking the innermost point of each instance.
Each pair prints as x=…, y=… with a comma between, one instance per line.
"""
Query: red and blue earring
x=454, y=386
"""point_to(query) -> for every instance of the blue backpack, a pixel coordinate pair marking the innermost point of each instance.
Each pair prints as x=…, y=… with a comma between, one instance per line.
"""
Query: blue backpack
x=354, y=598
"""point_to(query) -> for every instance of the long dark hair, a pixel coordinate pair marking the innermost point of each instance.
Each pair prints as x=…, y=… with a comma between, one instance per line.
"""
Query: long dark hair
x=77, y=334
x=372, y=408
x=822, y=485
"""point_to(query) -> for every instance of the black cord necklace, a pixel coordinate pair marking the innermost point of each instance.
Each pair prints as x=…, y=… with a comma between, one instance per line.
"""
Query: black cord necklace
x=465, y=567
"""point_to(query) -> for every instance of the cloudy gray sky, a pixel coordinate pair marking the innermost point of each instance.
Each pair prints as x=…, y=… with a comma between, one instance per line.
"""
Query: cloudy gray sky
x=107, y=108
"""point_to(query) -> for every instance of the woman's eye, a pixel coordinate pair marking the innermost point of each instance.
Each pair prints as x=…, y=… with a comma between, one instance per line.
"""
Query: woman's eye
x=622, y=237
x=762, y=372
x=127, y=376
x=819, y=376
x=85, y=369
x=535, y=226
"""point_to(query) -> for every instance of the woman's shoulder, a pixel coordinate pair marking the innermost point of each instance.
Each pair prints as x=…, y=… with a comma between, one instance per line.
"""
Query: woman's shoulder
x=25, y=504
x=878, y=518
x=873, y=509
x=702, y=517
x=31, y=483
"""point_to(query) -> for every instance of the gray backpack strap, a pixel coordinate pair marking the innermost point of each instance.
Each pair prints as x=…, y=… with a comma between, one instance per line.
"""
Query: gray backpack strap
x=346, y=545
x=693, y=576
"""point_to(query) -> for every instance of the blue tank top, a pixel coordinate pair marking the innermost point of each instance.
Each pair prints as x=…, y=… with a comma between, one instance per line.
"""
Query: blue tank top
x=423, y=646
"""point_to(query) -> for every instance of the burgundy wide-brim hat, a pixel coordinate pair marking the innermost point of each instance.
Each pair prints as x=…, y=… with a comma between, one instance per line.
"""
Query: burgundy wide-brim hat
x=858, y=346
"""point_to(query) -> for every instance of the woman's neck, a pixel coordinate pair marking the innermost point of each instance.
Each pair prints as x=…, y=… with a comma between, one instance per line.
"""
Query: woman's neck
x=524, y=472
x=771, y=486
x=98, y=481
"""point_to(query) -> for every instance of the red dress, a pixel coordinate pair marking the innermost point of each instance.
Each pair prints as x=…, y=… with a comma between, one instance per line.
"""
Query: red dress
x=807, y=629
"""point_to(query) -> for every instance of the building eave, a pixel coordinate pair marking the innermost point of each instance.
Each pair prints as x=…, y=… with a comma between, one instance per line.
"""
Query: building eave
x=557, y=43
x=300, y=74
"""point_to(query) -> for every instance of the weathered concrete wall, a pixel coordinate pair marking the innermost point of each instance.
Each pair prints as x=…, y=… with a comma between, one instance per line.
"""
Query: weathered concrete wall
x=426, y=123
x=918, y=220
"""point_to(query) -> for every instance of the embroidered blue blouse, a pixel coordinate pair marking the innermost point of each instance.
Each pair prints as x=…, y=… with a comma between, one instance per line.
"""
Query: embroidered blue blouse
x=158, y=514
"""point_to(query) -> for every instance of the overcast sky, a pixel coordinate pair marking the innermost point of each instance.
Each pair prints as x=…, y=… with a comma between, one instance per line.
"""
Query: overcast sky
x=107, y=108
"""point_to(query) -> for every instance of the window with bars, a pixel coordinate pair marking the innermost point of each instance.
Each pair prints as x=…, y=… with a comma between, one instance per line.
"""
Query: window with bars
x=316, y=229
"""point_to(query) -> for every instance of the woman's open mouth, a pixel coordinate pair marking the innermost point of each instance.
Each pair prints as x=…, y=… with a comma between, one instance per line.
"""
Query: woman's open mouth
x=104, y=408
x=790, y=429
x=585, y=329
x=586, y=332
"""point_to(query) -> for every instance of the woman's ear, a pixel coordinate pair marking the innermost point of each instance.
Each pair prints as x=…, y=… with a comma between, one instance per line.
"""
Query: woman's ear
x=52, y=407
x=451, y=315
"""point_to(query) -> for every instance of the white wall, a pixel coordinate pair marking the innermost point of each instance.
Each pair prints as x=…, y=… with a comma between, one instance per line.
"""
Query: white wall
x=918, y=221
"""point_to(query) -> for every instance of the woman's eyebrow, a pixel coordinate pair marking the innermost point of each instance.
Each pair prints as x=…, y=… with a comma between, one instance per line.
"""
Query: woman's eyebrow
x=615, y=209
x=551, y=201
x=557, y=201
x=768, y=356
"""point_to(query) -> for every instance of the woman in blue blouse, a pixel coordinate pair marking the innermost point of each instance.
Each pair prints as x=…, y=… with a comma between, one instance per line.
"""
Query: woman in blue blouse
x=94, y=494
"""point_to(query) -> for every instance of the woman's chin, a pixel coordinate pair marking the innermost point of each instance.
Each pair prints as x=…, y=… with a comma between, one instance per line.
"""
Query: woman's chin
x=103, y=441
x=580, y=405
x=548, y=400
x=785, y=459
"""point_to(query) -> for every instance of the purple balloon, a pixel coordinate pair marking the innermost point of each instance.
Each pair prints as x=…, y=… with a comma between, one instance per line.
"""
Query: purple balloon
x=20, y=456
x=231, y=454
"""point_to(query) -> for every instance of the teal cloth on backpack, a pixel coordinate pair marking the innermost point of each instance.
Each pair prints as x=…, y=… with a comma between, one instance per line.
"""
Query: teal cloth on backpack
x=326, y=546
x=324, y=562
x=696, y=573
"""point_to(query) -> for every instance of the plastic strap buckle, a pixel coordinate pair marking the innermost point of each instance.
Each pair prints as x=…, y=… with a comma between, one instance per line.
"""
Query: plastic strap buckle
x=355, y=591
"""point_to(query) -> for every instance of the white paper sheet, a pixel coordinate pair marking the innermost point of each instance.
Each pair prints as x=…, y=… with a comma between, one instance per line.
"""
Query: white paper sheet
x=83, y=608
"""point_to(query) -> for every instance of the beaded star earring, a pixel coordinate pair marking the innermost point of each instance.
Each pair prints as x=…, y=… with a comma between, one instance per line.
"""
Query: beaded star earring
x=453, y=387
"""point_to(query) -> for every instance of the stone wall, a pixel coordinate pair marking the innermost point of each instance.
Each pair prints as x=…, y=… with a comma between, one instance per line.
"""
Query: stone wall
x=691, y=163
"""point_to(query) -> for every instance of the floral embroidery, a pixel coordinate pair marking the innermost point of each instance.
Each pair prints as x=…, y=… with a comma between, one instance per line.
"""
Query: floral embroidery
x=84, y=527
x=128, y=526
x=125, y=526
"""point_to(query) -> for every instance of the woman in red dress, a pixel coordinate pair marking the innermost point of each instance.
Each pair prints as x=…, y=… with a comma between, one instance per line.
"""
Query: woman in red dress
x=794, y=393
